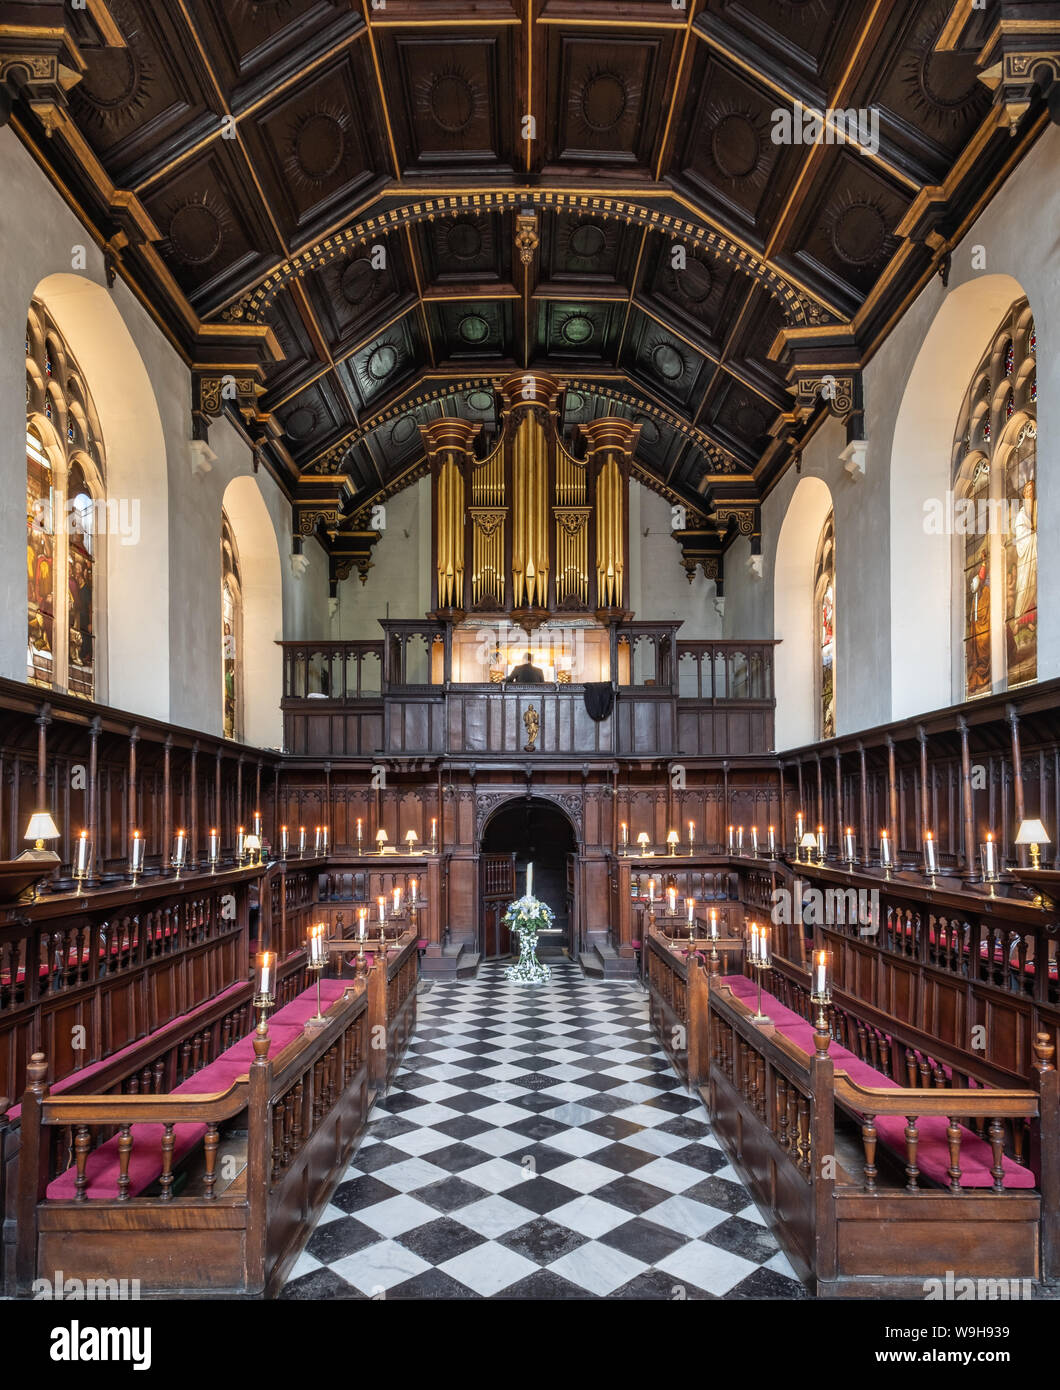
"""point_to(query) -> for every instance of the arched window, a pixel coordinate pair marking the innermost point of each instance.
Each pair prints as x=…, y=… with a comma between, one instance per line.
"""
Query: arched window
x=65, y=514
x=995, y=510
x=231, y=632
x=824, y=628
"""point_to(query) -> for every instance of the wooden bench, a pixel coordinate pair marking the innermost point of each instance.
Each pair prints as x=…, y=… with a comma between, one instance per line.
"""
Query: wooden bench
x=213, y=1187
x=873, y=1188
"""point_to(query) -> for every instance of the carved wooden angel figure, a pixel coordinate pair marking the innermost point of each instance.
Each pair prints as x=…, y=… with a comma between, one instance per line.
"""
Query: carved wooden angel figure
x=532, y=724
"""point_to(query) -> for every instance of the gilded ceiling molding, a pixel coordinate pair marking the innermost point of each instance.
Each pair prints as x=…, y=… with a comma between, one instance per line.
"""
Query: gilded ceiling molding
x=798, y=306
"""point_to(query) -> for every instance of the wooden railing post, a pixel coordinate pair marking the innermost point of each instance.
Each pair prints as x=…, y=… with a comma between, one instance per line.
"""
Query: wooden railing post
x=1045, y=1153
x=822, y=1156
x=32, y=1170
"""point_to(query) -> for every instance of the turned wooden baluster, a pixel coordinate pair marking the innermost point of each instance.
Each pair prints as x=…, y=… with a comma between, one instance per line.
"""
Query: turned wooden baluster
x=296, y=1127
x=804, y=1133
x=912, y=1140
x=925, y=1073
x=781, y=1129
x=185, y=1060
x=997, y=1141
x=166, y=1180
x=793, y=1123
x=910, y=1068
x=210, y=1144
x=760, y=1085
x=125, y=1144
x=953, y=1139
x=82, y=1145
x=277, y=1139
x=159, y=1076
x=868, y=1139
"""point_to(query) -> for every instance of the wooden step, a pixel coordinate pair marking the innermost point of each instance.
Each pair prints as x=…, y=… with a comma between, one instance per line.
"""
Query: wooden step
x=467, y=966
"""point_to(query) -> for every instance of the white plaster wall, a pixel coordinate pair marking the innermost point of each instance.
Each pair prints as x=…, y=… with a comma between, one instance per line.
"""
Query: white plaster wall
x=658, y=584
x=400, y=574
x=894, y=633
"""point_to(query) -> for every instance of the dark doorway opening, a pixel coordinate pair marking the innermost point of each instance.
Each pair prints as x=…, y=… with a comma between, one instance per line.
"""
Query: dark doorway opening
x=519, y=833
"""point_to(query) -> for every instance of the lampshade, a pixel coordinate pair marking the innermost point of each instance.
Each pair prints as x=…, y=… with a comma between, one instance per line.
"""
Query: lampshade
x=380, y=837
x=808, y=841
x=642, y=838
x=671, y=838
x=41, y=827
x=411, y=837
x=252, y=842
x=1031, y=832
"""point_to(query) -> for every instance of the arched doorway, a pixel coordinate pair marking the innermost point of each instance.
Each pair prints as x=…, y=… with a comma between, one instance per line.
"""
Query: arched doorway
x=520, y=832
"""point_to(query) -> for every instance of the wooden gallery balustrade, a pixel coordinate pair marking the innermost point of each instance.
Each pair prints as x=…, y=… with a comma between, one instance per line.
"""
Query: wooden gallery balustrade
x=356, y=699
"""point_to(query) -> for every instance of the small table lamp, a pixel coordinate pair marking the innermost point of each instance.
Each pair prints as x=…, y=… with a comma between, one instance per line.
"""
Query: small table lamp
x=1033, y=833
x=808, y=842
x=252, y=844
x=671, y=840
x=410, y=839
x=41, y=827
x=380, y=839
x=642, y=841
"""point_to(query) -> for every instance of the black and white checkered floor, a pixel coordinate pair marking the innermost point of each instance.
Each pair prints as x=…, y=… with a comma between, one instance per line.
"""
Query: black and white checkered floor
x=536, y=1144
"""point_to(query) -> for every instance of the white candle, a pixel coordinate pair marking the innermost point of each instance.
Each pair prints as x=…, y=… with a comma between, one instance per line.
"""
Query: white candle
x=317, y=842
x=81, y=862
x=800, y=827
x=214, y=851
x=732, y=834
x=714, y=923
x=690, y=903
x=886, y=859
x=931, y=858
x=772, y=843
x=754, y=840
x=180, y=848
x=382, y=908
x=822, y=847
x=739, y=840
x=256, y=817
x=849, y=845
x=989, y=857
x=362, y=915
x=625, y=834
x=240, y=843
x=359, y=826
x=284, y=842
x=137, y=857
x=754, y=941
x=413, y=885
x=530, y=878
x=671, y=894
x=397, y=901
x=301, y=842
x=820, y=974
x=434, y=832
x=691, y=834
x=265, y=961
x=651, y=890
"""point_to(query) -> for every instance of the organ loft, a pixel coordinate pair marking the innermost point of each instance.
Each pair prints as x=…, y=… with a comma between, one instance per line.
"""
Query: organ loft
x=529, y=746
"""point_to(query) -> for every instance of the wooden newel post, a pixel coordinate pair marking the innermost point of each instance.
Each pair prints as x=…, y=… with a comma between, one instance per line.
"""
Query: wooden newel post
x=823, y=1155
x=377, y=1024
x=1045, y=1152
x=259, y=1157
x=698, y=1024
x=33, y=1172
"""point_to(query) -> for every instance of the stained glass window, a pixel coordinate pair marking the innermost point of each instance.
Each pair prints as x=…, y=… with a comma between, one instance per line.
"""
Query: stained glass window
x=824, y=621
x=64, y=501
x=231, y=632
x=995, y=485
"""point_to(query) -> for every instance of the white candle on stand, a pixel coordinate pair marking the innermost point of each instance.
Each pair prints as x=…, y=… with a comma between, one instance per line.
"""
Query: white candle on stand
x=714, y=923
x=690, y=903
x=772, y=843
x=81, y=862
x=651, y=890
x=397, y=901
x=530, y=879
x=671, y=894
x=382, y=908
x=137, y=852
x=362, y=915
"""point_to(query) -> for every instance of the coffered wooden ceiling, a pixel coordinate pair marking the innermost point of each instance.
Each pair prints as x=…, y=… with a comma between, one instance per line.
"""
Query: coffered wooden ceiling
x=340, y=203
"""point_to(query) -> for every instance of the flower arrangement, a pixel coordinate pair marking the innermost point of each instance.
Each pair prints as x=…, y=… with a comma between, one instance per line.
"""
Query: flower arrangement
x=528, y=916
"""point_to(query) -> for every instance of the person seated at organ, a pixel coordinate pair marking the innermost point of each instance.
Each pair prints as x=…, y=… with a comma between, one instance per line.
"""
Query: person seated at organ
x=526, y=674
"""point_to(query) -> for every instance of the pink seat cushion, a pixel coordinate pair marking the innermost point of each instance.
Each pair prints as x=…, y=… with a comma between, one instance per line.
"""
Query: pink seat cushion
x=145, y=1161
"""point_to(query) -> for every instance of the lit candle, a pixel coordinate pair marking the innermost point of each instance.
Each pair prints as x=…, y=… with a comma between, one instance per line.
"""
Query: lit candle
x=180, y=849
x=754, y=840
x=739, y=840
x=284, y=842
x=820, y=972
x=691, y=835
x=81, y=861
x=318, y=843
x=397, y=901
x=931, y=856
x=317, y=953
x=651, y=891
x=754, y=941
x=886, y=857
x=137, y=855
x=359, y=834
x=772, y=843
x=732, y=840
x=241, y=840
x=362, y=916
x=625, y=835
x=382, y=907
x=763, y=945
x=324, y=838
x=301, y=842
x=821, y=844
x=671, y=894
x=690, y=903
x=989, y=857
x=434, y=833
x=265, y=964
x=714, y=924
x=214, y=850
x=412, y=890
x=800, y=827
x=256, y=818
x=849, y=845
